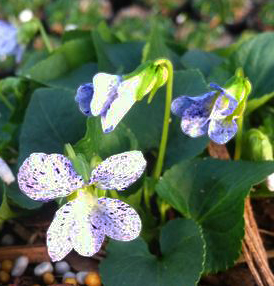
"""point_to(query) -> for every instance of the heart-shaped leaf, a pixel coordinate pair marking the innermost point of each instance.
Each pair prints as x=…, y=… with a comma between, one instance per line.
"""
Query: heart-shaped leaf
x=212, y=192
x=181, y=261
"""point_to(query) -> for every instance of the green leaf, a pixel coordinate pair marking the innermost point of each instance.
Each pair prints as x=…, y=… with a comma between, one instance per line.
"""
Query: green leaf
x=204, y=61
x=255, y=103
x=69, y=56
x=117, y=58
x=157, y=48
x=212, y=192
x=52, y=119
x=181, y=263
x=255, y=57
x=18, y=198
x=5, y=211
x=97, y=143
x=75, y=78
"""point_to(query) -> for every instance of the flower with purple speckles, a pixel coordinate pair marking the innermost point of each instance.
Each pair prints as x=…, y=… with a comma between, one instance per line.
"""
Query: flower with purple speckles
x=8, y=41
x=83, y=222
x=212, y=113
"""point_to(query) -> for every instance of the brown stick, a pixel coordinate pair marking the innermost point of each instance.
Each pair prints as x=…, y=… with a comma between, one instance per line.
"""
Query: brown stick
x=253, y=248
x=35, y=253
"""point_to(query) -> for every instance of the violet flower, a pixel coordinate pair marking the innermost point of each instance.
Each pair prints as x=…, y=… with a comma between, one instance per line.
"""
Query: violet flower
x=211, y=113
x=83, y=222
x=8, y=41
x=109, y=96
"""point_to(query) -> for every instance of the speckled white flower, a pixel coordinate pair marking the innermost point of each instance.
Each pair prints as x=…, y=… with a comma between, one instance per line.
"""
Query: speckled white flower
x=83, y=223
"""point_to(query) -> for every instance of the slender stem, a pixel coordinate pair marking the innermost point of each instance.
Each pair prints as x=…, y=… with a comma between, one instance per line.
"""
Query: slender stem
x=45, y=37
x=162, y=149
x=6, y=102
x=239, y=136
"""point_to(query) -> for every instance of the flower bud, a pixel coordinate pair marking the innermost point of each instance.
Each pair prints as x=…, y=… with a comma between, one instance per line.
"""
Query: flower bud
x=257, y=146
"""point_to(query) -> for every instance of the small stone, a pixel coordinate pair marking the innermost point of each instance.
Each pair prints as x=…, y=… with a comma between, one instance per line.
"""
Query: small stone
x=93, y=279
x=7, y=239
x=48, y=278
x=4, y=277
x=68, y=274
x=7, y=265
x=80, y=277
x=42, y=268
x=61, y=267
x=71, y=281
x=20, y=265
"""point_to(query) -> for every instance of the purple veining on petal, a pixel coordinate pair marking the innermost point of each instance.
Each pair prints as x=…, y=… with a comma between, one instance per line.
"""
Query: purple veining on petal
x=222, y=130
x=120, y=220
x=121, y=104
x=119, y=171
x=44, y=177
x=105, y=92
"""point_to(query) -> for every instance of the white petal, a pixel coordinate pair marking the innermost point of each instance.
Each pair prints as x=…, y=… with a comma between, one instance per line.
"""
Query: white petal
x=105, y=91
x=126, y=97
x=121, y=221
x=58, y=235
x=45, y=177
x=119, y=171
x=87, y=238
x=5, y=172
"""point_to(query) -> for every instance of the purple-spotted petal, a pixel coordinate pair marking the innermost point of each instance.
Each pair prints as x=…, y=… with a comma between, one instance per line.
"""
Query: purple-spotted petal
x=223, y=106
x=58, y=235
x=126, y=97
x=221, y=131
x=105, y=91
x=196, y=105
x=44, y=177
x=119, y=171
x=121, y=221
x=195, y=113
x=86, y=237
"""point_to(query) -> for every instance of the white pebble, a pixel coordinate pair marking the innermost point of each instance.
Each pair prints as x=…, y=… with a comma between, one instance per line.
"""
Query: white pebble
x=61, y=267
x=20, y=265
x=80, y=277
x=68, y=275
x=5, y=173
x=7, y=239
x=42, y=268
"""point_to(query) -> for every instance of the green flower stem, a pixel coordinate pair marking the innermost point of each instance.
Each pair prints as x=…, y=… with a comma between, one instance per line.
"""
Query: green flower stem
x=239, y=136
x=45, y=37
x=70, y=152
x=169, y=86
